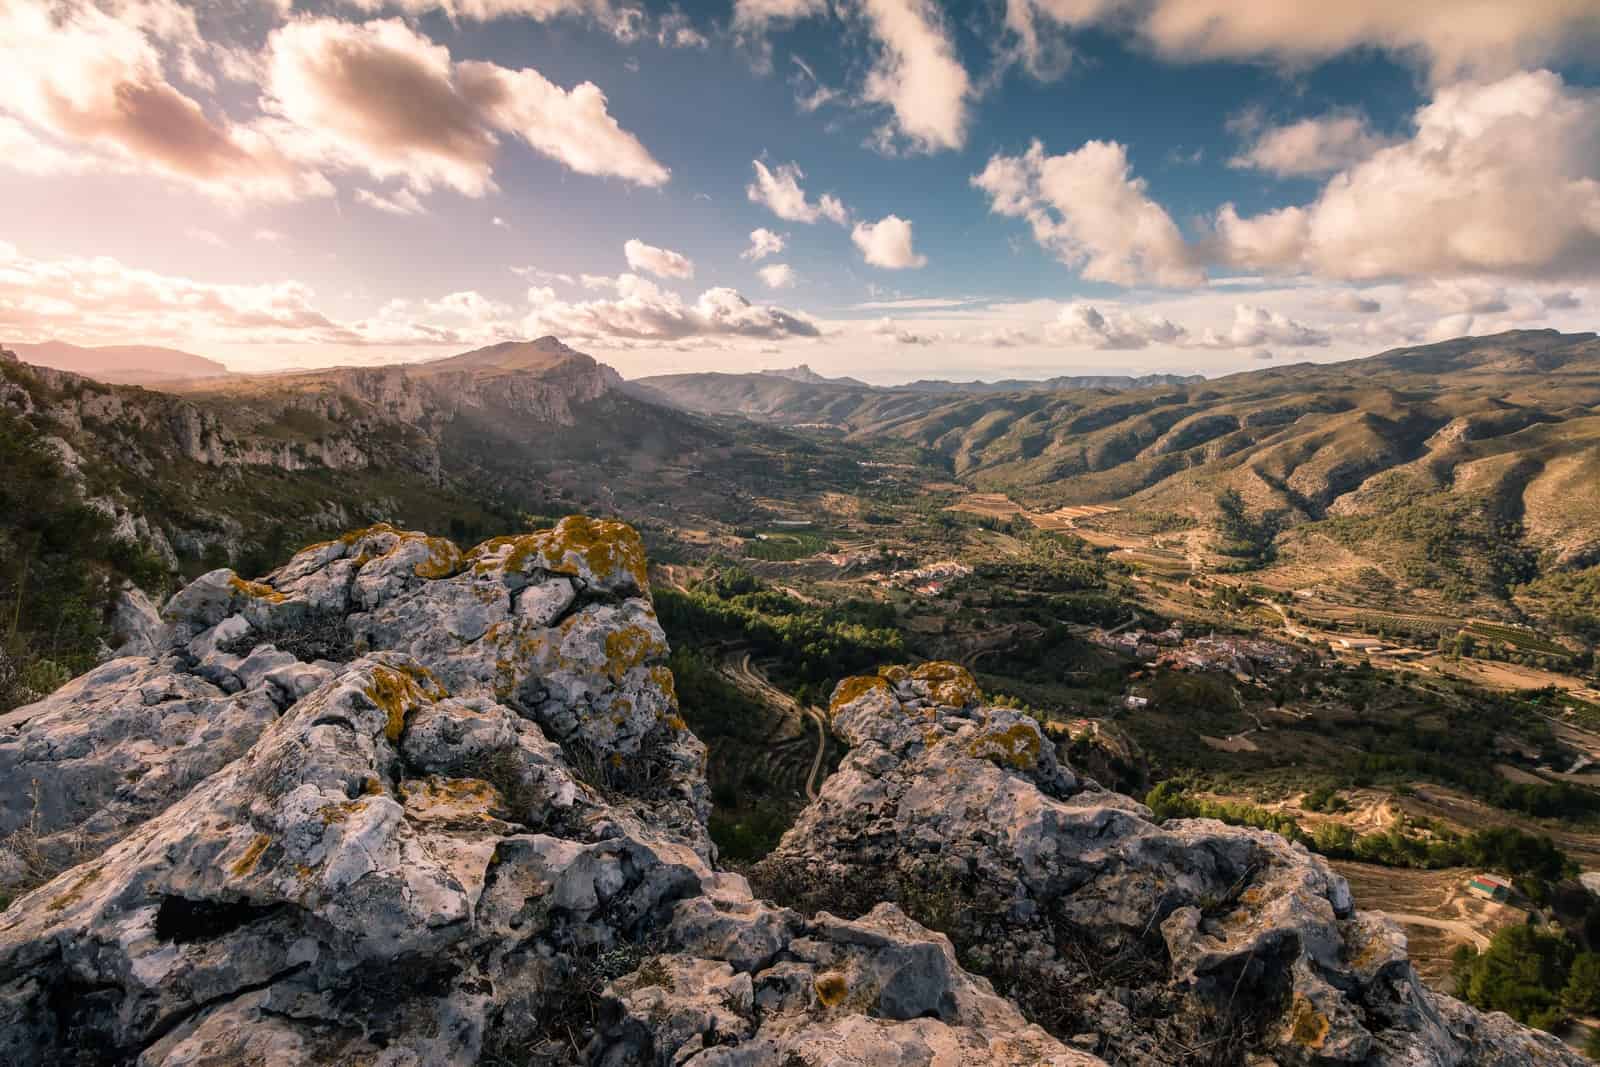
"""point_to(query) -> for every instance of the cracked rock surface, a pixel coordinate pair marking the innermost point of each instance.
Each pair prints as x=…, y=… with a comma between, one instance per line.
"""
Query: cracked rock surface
x=402, y=804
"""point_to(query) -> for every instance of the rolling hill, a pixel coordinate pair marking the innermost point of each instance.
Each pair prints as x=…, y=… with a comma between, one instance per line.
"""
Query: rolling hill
x=122, y=364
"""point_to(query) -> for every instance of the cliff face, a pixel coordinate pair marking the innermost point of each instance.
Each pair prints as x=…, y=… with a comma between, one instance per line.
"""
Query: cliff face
x=404, y=804
x=340, y=419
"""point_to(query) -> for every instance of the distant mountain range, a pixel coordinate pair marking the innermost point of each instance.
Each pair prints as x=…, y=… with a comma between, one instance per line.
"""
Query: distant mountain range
x=122, y=364
x=1466, y=466
x=797, y=395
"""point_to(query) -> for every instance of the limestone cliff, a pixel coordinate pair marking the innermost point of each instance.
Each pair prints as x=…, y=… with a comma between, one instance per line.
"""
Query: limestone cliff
x=404, y=804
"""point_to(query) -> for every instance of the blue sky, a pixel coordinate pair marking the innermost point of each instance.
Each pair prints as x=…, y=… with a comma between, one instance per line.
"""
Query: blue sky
x=368, y=181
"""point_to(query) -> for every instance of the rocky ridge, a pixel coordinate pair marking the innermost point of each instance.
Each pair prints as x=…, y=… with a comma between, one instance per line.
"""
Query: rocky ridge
x=403, y=804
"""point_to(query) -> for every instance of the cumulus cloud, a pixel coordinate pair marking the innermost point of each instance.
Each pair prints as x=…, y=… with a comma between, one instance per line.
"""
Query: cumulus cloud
x=887, y=244
x=1313, y=146
x=1254, y=326
x=1088, y=210
x=383, y=98
x=1450, y=36
x=777, y=276
x=1563, y=301
x=1499, y=178
x=779, y=191
x=643, y=311
x=763, y=243
x=1352, y=301
x=1084, y=325
x=92, y=79
x=897, y=333
x=917, y=75
x=1471, y=296
x=662, y=262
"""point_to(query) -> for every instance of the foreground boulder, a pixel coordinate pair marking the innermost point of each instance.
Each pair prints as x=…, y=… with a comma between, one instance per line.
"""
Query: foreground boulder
x=403, y=805
x=1189, y=941
x=398, y=804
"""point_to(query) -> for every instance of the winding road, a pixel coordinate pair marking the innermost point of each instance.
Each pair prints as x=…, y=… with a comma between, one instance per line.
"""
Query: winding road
x=745, y=675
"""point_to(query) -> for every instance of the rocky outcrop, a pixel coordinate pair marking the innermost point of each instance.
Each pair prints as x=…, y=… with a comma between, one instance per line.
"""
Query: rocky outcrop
x=1189, y=941
x=404, y=804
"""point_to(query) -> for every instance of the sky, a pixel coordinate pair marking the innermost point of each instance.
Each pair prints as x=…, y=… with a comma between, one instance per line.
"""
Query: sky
x=889, y=189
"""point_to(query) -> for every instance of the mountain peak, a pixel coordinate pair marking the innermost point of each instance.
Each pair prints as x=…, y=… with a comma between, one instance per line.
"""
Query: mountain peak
x=540, y=356
x=804, y=374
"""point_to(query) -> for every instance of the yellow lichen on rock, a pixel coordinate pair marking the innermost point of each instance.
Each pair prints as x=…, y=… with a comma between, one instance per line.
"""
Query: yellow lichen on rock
x=894, y=673
x=450, y=799
x=603, y=545
x=1014, y=746
x=252, y=855
x=396, y=693
x=1307, y=1026
x=258, y=590
x=662, y=676
x=948, y=684
x=74, y=892
x=831, y=989
x=444, y=559
x=852, y=689
x=629, y=646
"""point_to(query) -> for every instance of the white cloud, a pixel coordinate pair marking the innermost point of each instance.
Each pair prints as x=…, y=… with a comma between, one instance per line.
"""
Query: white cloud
x=887, y=243
x=1472, y=296
x=1498, y=178
x=900, y=334
x=758, y=14
x=917, y=74
x=1087, y=209
x=675, y=30
x=500, y=222
x=1312, y=146
x=1562, y=301
x=100, y=299
x=401, y=202
x=86, y=89
x=763, y=243
x=643, y=311
x=777, y=276
x=662, y=262
x=1085, y=326
x=809, y=92
x=779, y=190
x=268, y=236
x=535, y=274
x=1450, y=36
x=382, y=98
x=1352, y=301
x=623, y=21
x=1254, y=326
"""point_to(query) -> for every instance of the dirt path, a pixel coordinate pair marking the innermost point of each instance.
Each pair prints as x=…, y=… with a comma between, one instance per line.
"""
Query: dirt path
x=822, y=746
x=745, y=675
x=1452, y=926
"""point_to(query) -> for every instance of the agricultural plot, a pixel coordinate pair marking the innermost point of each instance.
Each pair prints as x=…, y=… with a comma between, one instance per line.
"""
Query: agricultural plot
x=783, y=546
x=1516, y=637
x=988, y=506
x=1067, y=518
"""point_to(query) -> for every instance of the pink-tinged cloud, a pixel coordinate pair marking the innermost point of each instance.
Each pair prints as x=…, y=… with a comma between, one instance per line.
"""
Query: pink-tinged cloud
x=382, y=98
